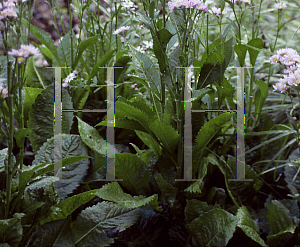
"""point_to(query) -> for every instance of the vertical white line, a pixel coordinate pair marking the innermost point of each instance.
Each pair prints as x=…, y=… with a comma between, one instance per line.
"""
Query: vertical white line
x=57, y=127
x=109, y=129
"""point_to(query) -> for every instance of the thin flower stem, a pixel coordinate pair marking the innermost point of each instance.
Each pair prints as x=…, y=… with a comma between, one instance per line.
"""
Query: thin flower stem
x=10, y=140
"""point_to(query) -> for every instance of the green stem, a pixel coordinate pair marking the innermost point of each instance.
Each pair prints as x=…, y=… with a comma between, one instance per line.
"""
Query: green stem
x=10, y=141
x=71, y=35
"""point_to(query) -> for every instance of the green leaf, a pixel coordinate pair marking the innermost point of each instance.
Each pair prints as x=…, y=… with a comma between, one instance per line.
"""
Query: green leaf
x=114, y=193
x=145, y=69
x=92, y=138
x=12, y=230
x=150, y=142
x=280, y=222
x=195, y=208
x=131, y=112
x=68, y=206
x=72, y=146
x=82, y=47
x=124, y=124
x=241, y=51
x=257, y=43
x=30, y=96
x=56, y=234
x=168, y=192
x=132, y=170
x=210, y=129
x=20, y=136
x=217, y=227
x=102, y=62
x=44, y=37
x=91, y=224
x=64, y=50
x=249, y=226
x=151, y=9
x=260, y=96
x=41, y=117
x=144, y=19
x=166, y=134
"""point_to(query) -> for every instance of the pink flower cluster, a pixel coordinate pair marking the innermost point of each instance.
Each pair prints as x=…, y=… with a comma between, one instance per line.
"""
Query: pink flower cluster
x=288, y=57
x=121, y=29
x=70, y=78
x=8, y=9
x=198, y=4
x=24, y=52
x=3, y=91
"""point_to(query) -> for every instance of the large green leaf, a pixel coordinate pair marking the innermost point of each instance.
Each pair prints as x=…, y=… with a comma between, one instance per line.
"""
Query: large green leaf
x=150, y=142
x=210, y=129
x=213, y=228
x=92, y=138
x=195, y=208
x=114, y=193
x=91, y=224
x=72, y=145
x=41, y=117
x=145, y=68
x=56, y=233
x=68, y=206
x=132, y=170
x=12, y=230
x=30, y=96
x=166, y=134
x=249, y=226
x=280, y=222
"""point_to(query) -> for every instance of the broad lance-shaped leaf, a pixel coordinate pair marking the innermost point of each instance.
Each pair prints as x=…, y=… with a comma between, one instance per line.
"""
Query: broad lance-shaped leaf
x=249, y=226
x=92, y=138
x=93, y=223
x=213, y=228
x=210, y=129
x=65, y=207
x=132, y=112
x=146, y=69
x=133, y=171
x=114, y=193
x=280, y=222
x=41, y=117
x=72, y=146
x=56, y=234
x=166, y=134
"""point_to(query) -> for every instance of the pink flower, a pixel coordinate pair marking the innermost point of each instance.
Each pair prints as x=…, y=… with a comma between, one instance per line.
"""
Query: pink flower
x=65, y=84
x=121, y=29
x=122, y=39
x=82, y=79
x=75, y=72
x=280, y=5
